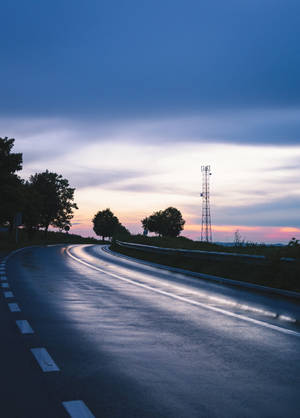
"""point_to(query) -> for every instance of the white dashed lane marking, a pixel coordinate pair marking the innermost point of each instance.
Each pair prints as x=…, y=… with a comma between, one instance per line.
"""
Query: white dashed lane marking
x=78, y=409
x=14, y=307
x=8, y=295
x=24, y=327
x=44, y=359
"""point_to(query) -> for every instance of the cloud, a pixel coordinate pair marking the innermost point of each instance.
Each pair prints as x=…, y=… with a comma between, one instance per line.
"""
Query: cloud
x=105, y=62
x=265, y=126
x=290, y=167
x=106, y=178
x=151, y=188
x=43, y=138
x=283, y=212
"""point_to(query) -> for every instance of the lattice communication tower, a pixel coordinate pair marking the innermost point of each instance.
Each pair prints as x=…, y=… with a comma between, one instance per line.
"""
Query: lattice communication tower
x=206, y=234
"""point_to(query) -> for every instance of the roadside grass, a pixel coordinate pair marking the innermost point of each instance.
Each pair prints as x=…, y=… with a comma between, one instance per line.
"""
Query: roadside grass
x=270, y=251
x=273, y=273
x=8, y=241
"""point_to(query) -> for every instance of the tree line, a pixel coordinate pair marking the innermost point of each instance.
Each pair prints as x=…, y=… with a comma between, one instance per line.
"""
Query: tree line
x=46, y=199
x=165, y=223
x=107, y=225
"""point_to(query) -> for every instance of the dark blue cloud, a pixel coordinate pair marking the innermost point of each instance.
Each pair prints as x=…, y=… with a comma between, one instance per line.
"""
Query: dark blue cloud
x=282, y=212
x=108, y=59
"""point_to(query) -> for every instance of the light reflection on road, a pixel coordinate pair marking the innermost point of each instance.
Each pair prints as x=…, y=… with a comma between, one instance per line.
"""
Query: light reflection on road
x=186, y=287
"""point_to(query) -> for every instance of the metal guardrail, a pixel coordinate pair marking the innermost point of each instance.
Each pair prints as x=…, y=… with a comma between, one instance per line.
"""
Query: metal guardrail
x=217, y=279
x=204, y=255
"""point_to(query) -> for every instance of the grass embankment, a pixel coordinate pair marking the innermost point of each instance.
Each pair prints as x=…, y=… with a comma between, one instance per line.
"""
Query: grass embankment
x=8, y=241
x=272, y=273
x=246, y=248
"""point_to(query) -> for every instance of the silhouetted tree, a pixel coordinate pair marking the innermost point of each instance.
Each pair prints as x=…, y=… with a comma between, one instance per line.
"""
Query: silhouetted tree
x=9, y=162
x=106, y=225
x=166, y=223
x=33, y=209
x=121, y=231
x=56, y=199
x=238, y=240
x=154, y=222
x=294, y=242
x=11, y=185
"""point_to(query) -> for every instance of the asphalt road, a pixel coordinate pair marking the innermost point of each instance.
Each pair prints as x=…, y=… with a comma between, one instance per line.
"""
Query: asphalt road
x=135, y=341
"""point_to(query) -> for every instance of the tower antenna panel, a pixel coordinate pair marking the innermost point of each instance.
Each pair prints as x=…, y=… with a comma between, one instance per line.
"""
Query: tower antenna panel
x=206, y=233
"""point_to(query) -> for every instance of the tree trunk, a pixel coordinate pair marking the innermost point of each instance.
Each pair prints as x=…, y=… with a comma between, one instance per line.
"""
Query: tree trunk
x=11, y=225
x=31, y=233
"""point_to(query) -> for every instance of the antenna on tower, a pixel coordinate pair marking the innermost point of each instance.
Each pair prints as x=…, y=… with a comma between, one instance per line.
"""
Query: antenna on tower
x=206, y=234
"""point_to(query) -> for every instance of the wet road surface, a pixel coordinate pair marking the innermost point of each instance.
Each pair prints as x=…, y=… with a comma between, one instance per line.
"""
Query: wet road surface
x=136, y=341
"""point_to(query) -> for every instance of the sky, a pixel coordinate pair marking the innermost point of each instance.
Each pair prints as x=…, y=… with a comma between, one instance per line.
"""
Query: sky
x=128, y=99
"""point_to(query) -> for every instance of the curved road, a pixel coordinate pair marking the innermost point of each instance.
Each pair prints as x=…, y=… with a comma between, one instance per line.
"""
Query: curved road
x=131, y=340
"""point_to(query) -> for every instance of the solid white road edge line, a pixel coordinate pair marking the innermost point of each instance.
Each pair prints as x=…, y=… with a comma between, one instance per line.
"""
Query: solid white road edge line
x=24, y=327
x=217, y=279
x=78, y=409
x=44, y=360
x=8, y=295
x=244, y=307
x=14, y=307
x=183, y=299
